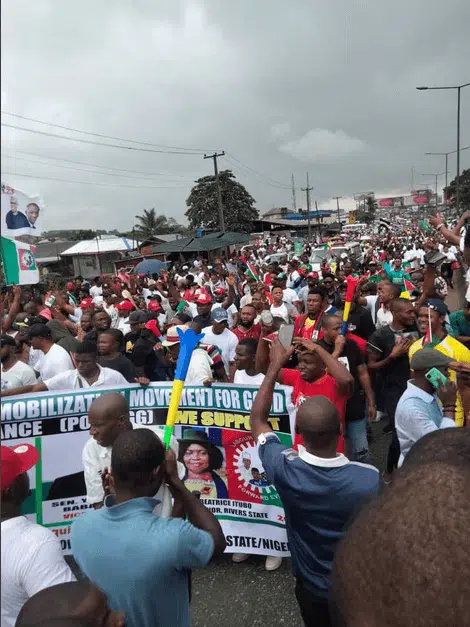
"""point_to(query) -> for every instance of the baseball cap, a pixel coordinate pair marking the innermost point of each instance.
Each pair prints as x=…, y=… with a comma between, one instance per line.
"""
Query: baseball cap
x=137, y=317
x=154, y=305
x=15, y=461
x=86, y=303
x=125, y=305
x=436, y=305
x=219, y=291
x=204, y=299
x=172, y=336
x=219, y=315
x=427, y=358
x=70, y=286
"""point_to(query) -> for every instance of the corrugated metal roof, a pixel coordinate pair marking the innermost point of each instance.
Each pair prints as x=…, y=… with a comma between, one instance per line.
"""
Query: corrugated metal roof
x=93, y=246
x=209, y=242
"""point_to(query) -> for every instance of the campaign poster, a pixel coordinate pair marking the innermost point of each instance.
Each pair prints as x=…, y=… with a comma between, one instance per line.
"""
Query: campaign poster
x=219, y=459
x=20, y=214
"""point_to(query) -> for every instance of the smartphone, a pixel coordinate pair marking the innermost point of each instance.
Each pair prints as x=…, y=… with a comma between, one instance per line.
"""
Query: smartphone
x=436, y=378
x=286, y=334
x=50, y=300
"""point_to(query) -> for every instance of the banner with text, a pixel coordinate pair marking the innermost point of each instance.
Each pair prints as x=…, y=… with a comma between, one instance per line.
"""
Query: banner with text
x=217, y=451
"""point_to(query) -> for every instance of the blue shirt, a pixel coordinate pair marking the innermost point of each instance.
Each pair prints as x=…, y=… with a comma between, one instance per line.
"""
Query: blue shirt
x=140, y=560
x=319, y=497
x=418, y=413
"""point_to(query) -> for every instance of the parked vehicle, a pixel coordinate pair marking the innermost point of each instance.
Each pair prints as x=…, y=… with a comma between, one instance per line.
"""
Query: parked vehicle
x=351, y=249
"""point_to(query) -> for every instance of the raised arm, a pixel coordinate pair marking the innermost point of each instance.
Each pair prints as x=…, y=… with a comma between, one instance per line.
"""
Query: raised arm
x=262, y=403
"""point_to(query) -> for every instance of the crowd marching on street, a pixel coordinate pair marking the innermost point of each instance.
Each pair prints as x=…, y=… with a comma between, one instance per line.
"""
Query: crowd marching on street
x=368, y=546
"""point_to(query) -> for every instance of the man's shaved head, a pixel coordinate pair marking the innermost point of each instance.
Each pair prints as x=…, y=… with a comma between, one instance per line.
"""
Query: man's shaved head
x=108, y=417
x=110, y=405
x=318, y=422
x=77, y=599
x=413, y=569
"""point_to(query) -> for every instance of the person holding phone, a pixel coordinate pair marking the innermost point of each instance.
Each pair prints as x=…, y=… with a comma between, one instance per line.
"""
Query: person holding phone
x=429, y=401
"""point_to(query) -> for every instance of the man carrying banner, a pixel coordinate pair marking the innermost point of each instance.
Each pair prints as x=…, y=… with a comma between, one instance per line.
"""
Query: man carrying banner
x=319, y=488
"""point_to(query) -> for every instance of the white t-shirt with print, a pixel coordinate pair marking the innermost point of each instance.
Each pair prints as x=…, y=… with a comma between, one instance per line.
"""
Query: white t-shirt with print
x=283, y=311
x=55, y=361
x=289, y=295
x=17, y=376
x=31, y=561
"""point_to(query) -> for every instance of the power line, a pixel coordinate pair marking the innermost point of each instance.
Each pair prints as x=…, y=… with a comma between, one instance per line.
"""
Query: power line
x=76, y=130
x=71, y=167
x=48, y=178
x=89, y=141
x=274, y=183
x=95, y=165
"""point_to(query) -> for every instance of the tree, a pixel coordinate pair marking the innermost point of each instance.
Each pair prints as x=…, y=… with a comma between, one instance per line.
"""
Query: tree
x=451, y=191
x=202, y=202
x=151, y=224
x=83, y=234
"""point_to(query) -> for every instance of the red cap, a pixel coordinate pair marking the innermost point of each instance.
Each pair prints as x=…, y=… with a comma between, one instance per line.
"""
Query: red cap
x=312, y=275
x=203, y=299
x=219, y=291
x=153, y=326
x=154, y=305
x=70, y=286
x=125, y=305
x=16, y=461
x=87, y=303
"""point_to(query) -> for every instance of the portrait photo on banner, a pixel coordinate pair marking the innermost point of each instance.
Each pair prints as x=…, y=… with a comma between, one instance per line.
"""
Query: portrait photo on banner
x=21, y=215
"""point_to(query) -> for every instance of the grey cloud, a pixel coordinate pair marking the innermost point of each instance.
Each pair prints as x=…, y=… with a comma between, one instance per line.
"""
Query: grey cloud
x=223, y=75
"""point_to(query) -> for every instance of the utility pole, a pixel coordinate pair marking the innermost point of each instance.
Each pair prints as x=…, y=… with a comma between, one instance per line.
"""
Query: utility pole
x=337, y=206
x=308, y=189
x=294, y=200
x=219, y=192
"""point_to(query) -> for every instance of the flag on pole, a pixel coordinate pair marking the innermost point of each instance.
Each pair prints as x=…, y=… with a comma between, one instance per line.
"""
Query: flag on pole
x=19, y=264
x=251, y=271
x=352, y=283
x=427, y=339
x=409, y=287
x=424, y=226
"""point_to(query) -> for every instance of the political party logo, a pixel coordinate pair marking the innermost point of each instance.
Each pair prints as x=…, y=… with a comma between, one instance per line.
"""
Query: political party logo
x=26, y=258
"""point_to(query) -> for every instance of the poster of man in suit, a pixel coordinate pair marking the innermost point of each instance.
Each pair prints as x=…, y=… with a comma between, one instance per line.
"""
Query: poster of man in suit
x=20, y=214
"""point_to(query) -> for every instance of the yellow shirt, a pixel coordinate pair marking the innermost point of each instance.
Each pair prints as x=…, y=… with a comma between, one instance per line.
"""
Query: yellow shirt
x=456, y=350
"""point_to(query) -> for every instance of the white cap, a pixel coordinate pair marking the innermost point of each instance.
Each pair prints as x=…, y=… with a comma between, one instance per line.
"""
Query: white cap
x=246, y=455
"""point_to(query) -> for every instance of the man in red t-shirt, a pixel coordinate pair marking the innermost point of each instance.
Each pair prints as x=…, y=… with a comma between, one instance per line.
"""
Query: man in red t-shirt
x=308, y=325
x=318, y=374
x=246, y=327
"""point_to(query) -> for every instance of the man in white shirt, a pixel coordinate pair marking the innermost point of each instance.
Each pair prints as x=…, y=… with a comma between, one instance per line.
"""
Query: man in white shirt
x=15, y=373
x=108, y=417
x=53, y=358
x=88, y=373
x=97, y=288
x=245, y=373
x=124, y=309
x=31, y=554
x=379, y=305
x=225, y=340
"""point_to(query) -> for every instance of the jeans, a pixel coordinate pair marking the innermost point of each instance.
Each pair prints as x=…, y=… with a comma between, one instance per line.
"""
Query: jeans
x=313, y=609
x=357, y=446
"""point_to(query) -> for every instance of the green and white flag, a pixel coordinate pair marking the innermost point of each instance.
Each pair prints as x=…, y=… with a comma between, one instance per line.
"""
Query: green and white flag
x=19, y=264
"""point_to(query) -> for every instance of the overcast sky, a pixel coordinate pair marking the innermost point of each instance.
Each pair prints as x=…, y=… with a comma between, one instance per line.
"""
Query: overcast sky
x=282, y=87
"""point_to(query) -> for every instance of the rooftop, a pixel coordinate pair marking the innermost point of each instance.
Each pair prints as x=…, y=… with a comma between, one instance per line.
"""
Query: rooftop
x=98, y=246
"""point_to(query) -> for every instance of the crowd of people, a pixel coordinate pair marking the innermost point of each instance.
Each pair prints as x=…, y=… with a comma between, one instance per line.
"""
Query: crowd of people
x=267, y=317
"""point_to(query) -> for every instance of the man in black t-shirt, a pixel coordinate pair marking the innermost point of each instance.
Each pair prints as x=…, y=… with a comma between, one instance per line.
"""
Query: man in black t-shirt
x=110, y=344
x=347, y=352
x=388, y=354
x=360, y=321
x=139, y=345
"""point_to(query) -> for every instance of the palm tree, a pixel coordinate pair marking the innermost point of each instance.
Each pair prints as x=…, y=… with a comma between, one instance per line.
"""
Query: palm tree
x=151, y=224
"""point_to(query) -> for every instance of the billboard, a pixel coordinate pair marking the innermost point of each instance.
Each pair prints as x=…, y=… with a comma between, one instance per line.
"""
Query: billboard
x=20, y=214
x=395, y=202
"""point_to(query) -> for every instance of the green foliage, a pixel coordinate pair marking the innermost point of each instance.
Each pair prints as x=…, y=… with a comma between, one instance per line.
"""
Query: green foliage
x=239, y=210
x=451, y=191
x=150, y=224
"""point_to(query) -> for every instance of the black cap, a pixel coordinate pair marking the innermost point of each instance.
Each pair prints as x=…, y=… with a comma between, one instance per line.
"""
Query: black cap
x=7, y=340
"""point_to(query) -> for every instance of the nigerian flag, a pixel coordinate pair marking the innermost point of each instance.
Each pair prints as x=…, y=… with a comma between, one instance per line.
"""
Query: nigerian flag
x=19, y=264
